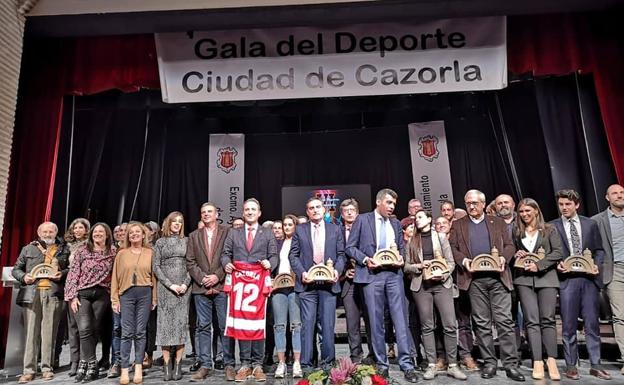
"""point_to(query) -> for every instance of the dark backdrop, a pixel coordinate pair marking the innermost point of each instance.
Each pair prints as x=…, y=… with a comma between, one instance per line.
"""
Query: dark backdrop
x=134, y=157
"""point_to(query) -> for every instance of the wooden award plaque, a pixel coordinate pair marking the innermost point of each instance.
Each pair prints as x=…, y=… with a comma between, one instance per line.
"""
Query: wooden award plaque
x=486, y=262
x=437, y=268
x=283, y=281
x=322, y=273
x=522, y=262
x=387, y=257
x=580, y=263
x=44, y=270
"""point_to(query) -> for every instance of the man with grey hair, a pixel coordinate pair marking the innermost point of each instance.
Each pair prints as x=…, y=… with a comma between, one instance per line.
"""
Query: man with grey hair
x=506, y=208
x=489, y=292
x=611, y=226
x=42, y=298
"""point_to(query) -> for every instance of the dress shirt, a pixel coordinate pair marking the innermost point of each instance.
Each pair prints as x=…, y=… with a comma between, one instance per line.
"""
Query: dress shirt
x=577, y=224
x=529, y=241
x=616, y=222
x=390, y=236
x=478, y=220
x=321, y=237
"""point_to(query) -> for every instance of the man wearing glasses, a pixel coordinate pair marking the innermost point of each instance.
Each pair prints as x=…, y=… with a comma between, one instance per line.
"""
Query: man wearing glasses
x=489, y=292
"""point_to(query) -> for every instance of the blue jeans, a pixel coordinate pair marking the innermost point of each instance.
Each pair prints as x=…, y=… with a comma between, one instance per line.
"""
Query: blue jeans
x=285, y=306
x=136, y=304
x=204, y=306
x=116, y=343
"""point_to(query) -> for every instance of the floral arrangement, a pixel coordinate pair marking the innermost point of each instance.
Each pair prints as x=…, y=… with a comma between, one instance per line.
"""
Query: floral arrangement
x=345, y=373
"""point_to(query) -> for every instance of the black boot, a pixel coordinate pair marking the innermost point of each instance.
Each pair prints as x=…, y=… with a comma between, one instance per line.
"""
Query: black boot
x=82, y=370
x=177, y=370
x=167, y=371
x=92, y=372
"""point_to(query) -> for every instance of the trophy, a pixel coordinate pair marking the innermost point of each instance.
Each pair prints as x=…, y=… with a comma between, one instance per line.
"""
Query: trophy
x=437, y=268
x=486, y=262
x=529, y=258
x=387, y=257
x=322, y=273
x=284, y=280
x=45, y=270
x=580, y=263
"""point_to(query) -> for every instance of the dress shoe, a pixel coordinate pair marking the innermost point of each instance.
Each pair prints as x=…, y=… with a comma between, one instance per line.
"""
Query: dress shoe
x=514, y=374
x=114, y=371
x=190, y=355
x=195, y=366
x=384, y=373
x=104, y=363
x=469, y=364
x=370, y=360
x=147, y=361
x=600, y=373
x=391, y=353
x=553, y=371
x=73, y=368
x=243, y=373
x=572, y=373
x=258, y=374
x=230, y=373
x=411, y=376
x=201, y=375
x=488, y=371
x=218, y=365
x=25, y=378
x=47, y=376
x=160, y=361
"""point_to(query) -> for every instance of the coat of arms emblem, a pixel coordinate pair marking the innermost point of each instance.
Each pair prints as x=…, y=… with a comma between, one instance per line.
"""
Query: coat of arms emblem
x=226, y=159
x=428, y=147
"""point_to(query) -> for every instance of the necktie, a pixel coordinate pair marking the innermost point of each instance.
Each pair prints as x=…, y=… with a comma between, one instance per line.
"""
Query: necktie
x=318, y=248
x=250, y=239
x=382, y=234
x=347, y=233
x=575, y=239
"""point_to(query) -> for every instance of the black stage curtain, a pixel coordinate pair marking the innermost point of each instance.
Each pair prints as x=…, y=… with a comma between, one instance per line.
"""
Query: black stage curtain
x=496, y=143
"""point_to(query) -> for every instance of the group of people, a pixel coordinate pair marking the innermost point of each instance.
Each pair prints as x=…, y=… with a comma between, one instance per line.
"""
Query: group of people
x=212, y=283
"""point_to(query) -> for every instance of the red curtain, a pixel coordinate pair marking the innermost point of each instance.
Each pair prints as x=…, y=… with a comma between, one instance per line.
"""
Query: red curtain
x=563, y=44
x=544, y=45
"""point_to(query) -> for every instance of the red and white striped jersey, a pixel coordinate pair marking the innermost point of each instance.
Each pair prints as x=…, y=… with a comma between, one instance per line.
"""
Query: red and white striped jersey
x=248, y=287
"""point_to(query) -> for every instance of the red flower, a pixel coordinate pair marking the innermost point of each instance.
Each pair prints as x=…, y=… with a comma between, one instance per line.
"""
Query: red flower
x=303, y=382
x=378, y=380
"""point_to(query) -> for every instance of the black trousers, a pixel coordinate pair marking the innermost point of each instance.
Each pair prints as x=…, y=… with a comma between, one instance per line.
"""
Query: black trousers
x=538, y=307
x=491, y=303
x=93, y=304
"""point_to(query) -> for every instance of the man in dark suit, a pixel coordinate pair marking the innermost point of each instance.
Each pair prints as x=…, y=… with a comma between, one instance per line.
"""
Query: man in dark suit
x=383, y=286
x=352, y=294
x=317, y=242
x=578, y=296
x=489, y=292
x=611, y=225
x=203, y=262
x=252, y=243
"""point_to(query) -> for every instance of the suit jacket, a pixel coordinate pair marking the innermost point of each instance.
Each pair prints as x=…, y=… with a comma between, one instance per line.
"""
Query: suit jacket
x=31, y=256
x=415, y=274
x=199, y=263
x=590, y=237
x=546, y=275
x=301, y=254
x=363, y=243
x=604, y=227
x=460, y=244
x=349, y=264
x=264, y=247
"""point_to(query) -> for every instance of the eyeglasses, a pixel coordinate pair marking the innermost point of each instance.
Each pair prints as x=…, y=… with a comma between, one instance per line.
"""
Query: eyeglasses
x=468, y=204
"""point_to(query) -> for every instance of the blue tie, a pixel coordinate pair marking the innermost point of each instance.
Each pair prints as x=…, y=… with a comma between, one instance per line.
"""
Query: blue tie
x=382, y=234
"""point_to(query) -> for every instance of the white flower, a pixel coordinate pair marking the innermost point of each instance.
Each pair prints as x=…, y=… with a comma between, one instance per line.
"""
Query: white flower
x=367, y=380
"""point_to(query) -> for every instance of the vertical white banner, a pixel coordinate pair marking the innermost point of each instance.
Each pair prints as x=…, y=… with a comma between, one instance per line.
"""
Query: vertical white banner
x=430, y=165
x=227, y=175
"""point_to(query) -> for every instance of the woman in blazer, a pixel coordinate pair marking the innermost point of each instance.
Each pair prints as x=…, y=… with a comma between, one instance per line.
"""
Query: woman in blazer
x=421, y=250
x=537, y=283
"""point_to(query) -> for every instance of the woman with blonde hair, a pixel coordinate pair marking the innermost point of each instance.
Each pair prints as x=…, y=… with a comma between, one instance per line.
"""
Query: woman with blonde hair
x=169, y=265
x=133, y=294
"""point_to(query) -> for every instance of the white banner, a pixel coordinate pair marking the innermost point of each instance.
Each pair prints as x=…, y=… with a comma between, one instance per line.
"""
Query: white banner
x=227, y=175
x=430, y=165
x=467, y=54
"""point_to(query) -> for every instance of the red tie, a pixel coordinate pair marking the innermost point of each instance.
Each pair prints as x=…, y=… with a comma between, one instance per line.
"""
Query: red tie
x=250, y=239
